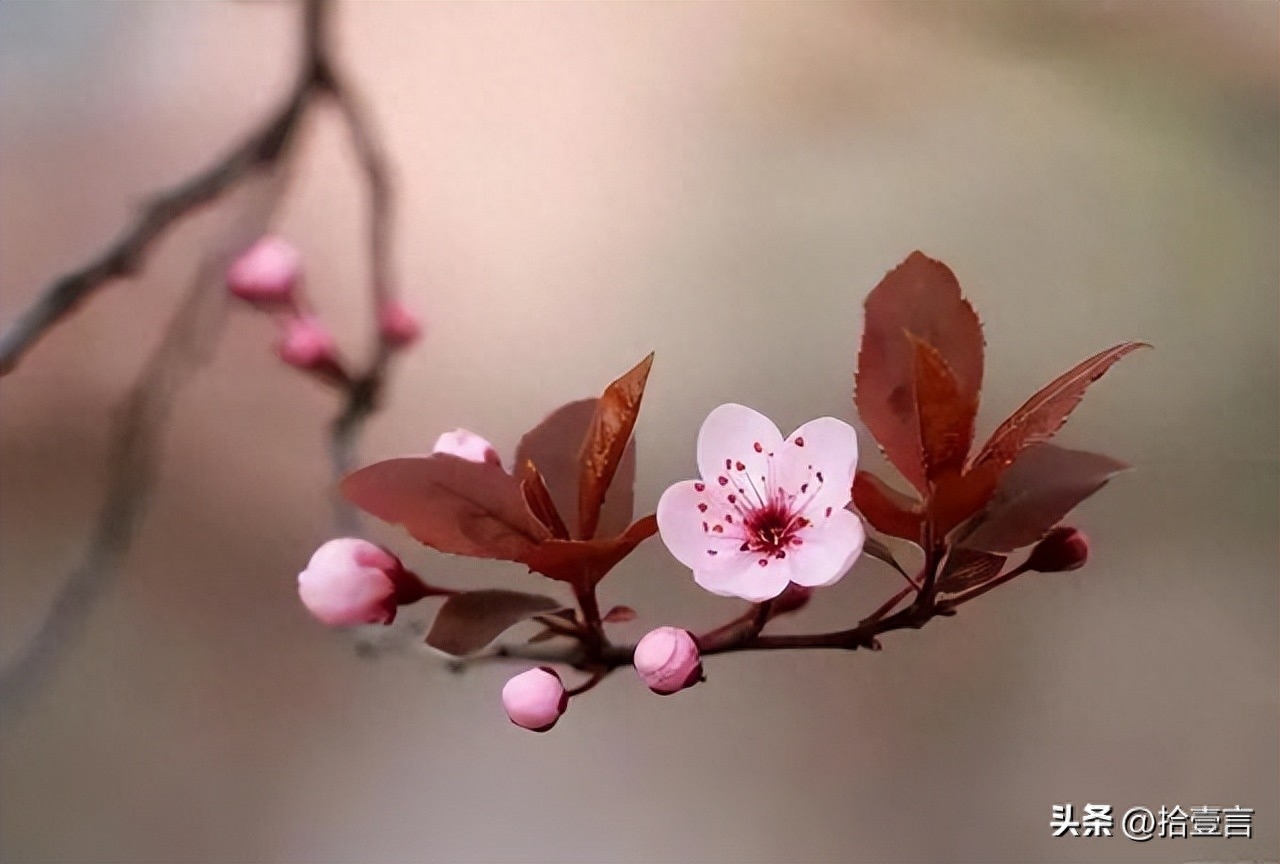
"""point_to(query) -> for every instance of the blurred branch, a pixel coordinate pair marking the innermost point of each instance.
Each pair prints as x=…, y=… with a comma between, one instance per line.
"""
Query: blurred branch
x=192, y=334
x=365, y=387
x=125, y=257
x=188, y=344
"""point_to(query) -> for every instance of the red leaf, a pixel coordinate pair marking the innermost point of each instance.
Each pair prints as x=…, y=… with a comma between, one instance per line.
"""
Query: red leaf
x=450, y=504
x=555, y=444
x=1034, y=494
x=583, y=563
x=957, y=497
x=468, y=622
x=602, y=450
x=920, y=297
x=945, y=414
x=888, y=510
x=965, y=568
x=1044, y=413
x=539, y=500
x=619, y=615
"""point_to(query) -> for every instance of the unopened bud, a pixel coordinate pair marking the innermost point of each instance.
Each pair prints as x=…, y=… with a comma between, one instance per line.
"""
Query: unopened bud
x=349, y=581
x=305, y=343
x=398, y=325
x=467, y=445
x=267, y=273
x=535, y=699
x=668, y=661
x=1063, y=548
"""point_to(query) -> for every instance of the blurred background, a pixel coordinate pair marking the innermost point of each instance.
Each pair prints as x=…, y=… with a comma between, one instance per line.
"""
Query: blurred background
x=577, y=185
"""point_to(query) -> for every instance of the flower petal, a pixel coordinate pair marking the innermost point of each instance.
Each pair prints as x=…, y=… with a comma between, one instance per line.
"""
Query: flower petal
x=734, y=435
x=687, y=515
x=829, y=548
x=739, y=574
x=817, y=464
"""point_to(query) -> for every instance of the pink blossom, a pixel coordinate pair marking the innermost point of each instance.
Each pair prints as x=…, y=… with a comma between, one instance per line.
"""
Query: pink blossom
x=767, y=511
x=667, y=660
x=535, y=699
x=267, y=273
x=467, y=445
x=398, y=324
x=306, y=343
x=349, y=581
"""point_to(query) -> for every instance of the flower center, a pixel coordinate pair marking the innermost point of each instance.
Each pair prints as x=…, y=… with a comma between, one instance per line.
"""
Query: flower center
x=771, y=529
x=769, y=516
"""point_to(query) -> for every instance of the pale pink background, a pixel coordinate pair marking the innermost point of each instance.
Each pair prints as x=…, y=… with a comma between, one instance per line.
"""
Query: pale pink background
x=578, y=185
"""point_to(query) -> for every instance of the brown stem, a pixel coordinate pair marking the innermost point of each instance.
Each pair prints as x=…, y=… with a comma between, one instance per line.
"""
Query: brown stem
x=748, y=624
x=365, y=387
x=889, y=605
x=932, y=557
x=559, y=626
x=595, y=678
x=596, y=640
x=965, y=597
x=737, y=636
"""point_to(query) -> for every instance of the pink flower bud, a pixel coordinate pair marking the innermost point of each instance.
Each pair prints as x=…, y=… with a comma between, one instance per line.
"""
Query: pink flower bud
x=349, y=581
x=398, y=325
x=1062, y=549
x=535, y=699
x=305, y=343
x=267, y=273
x=467, y=445
x=667, y=660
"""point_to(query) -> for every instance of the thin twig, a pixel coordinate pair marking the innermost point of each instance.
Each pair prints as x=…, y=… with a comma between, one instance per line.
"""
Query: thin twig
x=979, y=590
x=737, y=636
x=365, y=388
x=593, y=679
x=612, y=656
x=889, y=605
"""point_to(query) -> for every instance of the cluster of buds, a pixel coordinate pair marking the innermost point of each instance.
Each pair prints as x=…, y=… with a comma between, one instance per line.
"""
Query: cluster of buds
x=268, y=277
x=351, y=582
x=667, y=661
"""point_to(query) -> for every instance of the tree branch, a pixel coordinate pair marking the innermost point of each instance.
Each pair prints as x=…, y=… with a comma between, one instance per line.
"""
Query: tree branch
x=126, y=256
x=741, y=634
x=365, y=388
x=192, y=333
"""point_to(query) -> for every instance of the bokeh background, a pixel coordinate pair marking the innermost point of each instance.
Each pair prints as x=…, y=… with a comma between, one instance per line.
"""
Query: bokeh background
x=577, y=185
